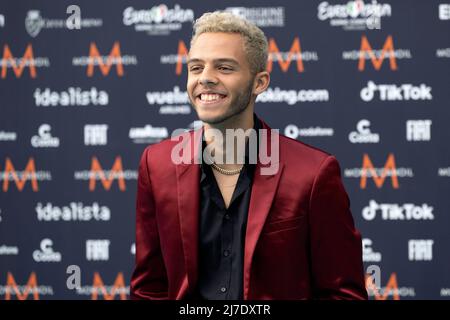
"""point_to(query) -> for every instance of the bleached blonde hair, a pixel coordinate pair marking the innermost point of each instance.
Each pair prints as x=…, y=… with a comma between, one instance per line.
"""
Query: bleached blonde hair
x=255, y=42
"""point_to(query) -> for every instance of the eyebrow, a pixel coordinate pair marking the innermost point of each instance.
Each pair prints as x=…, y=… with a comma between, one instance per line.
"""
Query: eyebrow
x=221, y=60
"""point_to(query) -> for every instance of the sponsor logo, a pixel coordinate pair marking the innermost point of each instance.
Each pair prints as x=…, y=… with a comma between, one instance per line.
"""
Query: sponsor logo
x=292, y=131
x=392, y=92
x=97, y=250
x=44, y=138
x=420, y=250
x=133, y=249
x=292, y=97
x=368, y=254
x=95, y=134
x=21, y=177
x=363, y=133
x=75, y=211
x=354, y=15
x=73, y=96
x=444, y=172
x=108, y=292
x=8, y=136
x=444, y=11
x=170, y=102
x=148, y=134
x=379, y=175
x=21, y=292
x=418, y=130
x=391, y=290
x=19, y=64
x=115, y=58
x=159, y=20
x=261, y=16
x=377, y=57
x=445, y=292
x=34, y=23
x=106, y=177
x=2, y=20
x=9, y=250
x=393, y=211
x=46, y=254
x=443, y=53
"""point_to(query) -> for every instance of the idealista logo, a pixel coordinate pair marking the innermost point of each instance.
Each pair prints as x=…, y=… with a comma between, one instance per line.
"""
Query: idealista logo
x=105, y=63
x=44, y=139
x=148, y=134
x=394, y=211
x=75, y=211
x=159, y=20
x=392, y=92
x=261, y=16
x=354, y=15
x=377, y=57
x=391, y=290
x=73, y=96
x=284, y=59
x=34, y=23
x=368, y=254
x=106, y=177
x=107, y=292
x=292, y=97
x=170, y=102
x=46, y=253
x=19, y=64
x=363, y=133
x=21, y=292
x=292, y=131
x=20, y=178
x=379, y=175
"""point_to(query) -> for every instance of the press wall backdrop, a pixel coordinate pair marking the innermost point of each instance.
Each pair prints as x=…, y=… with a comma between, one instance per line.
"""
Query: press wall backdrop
x=85, y=86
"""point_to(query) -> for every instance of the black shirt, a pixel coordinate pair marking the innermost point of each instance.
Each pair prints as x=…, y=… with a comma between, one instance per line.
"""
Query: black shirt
x=222, y=233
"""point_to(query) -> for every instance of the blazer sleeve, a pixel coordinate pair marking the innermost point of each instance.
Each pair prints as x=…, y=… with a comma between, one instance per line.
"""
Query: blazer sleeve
x=149, y=279
x=335, y=244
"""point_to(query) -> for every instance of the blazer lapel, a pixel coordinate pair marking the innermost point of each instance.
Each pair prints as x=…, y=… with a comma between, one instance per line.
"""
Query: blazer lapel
x=263, y=191
x=188, y=195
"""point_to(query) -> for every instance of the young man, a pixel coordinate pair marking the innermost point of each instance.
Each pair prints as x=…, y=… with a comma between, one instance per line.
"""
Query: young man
x=240, y=229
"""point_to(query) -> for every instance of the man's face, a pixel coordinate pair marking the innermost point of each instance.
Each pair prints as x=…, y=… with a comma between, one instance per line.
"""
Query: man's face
x=220, y=83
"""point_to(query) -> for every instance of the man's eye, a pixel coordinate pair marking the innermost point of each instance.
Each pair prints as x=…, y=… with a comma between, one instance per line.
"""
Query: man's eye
x=225, y=68
x=195, y=68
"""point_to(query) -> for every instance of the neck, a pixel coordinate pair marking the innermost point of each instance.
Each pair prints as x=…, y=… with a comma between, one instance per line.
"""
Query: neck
x=242, y=121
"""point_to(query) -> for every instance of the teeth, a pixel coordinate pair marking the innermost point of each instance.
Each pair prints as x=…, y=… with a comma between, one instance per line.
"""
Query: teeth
x=209, y=96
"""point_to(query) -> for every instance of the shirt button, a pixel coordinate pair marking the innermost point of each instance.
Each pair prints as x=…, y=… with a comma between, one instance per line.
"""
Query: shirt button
x=223, y=289
x=226, y=253
x=227, y=216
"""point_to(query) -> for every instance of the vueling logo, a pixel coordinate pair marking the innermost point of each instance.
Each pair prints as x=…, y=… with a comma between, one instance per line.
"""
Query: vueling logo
x=18, y=65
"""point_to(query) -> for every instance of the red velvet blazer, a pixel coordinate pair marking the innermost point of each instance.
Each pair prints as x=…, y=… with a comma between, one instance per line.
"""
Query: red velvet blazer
x=300, y=242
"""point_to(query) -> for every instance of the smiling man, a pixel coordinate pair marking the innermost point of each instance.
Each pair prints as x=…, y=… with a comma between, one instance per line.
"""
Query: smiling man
x=215, y=229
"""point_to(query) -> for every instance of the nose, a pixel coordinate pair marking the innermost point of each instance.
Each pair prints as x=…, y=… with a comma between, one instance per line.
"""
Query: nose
x=207, y=77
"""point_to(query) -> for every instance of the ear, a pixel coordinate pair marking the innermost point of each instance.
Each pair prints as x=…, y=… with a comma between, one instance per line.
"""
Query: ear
x=261, y=82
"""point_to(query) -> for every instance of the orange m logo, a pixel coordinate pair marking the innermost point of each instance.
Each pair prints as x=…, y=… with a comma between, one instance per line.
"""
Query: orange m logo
x=28, y=57
x=119, y=285
x=30, y=171
x=30, y=286
x=182, y=53
x=114, y=57
x=96, y=170
x=284, y=65
x=379, y=180
x=388, y=49
x=391, y=286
